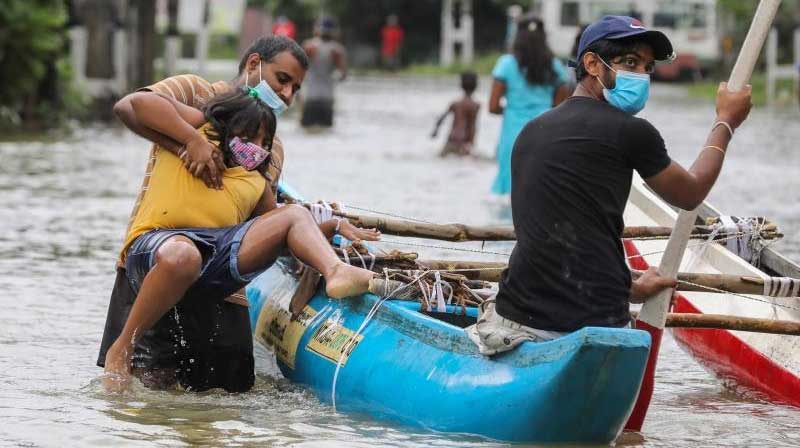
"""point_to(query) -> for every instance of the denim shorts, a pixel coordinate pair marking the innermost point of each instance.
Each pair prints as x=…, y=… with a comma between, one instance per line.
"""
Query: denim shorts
x=204, y=342
x=219, y=277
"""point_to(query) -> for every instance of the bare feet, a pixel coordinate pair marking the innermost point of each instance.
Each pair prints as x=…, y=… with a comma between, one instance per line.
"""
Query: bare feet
x=347, y=281
x=117, y=376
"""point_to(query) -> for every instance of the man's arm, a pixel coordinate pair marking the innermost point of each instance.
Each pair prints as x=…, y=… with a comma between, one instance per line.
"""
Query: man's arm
x=176, y=121
x=340, y=60
x=498, y=91
x=124, y=111
x=687, y=189
x=440, y=120
x=166, y=116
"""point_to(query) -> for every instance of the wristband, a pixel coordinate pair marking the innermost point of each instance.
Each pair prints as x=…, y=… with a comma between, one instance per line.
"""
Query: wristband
x=338, y=225
x=722, y=123
x=717, y=148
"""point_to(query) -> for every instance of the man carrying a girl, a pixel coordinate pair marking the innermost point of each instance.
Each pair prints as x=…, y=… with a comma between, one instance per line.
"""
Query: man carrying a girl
x=206, y=222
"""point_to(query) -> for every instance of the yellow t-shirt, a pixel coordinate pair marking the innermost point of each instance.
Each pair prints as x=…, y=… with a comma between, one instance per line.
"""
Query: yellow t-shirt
x=194, y=91
x=176, y=199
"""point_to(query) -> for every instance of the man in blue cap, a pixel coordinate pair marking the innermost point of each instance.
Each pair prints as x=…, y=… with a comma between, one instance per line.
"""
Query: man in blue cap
x=571, y=175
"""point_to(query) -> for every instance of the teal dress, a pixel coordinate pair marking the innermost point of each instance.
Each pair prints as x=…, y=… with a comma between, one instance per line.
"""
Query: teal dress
x=524, y=102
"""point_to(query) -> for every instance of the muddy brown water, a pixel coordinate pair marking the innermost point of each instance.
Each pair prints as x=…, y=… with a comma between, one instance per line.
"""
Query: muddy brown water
x=64, y=206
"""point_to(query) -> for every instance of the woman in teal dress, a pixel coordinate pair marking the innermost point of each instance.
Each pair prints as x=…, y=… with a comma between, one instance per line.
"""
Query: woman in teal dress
x=532, y=81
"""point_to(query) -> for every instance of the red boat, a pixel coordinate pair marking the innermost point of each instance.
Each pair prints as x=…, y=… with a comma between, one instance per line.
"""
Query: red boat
x=766, y=363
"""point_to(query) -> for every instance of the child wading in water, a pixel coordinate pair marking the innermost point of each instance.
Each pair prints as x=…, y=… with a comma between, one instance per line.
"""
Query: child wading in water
x=190, y=247
x=465, y=117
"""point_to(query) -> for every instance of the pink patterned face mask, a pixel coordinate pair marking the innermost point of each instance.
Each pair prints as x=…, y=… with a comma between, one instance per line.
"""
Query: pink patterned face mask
x=247, y=155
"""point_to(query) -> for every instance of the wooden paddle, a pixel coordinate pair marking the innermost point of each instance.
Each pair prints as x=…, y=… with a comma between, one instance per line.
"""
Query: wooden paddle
x=654, y=312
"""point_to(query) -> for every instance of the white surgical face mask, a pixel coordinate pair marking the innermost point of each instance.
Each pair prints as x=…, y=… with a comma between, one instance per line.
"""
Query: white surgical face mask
x=268, y=96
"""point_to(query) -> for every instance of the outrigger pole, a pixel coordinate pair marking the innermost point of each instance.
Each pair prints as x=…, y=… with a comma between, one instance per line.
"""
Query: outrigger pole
x=654, y=312
x=458, y=232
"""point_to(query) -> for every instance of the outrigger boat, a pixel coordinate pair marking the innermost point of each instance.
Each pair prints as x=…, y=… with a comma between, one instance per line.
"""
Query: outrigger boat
x=391, y=360
x=397, y=360
x=394, y=360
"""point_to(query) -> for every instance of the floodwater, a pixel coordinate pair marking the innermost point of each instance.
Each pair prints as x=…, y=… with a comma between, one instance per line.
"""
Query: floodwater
x=64, y=206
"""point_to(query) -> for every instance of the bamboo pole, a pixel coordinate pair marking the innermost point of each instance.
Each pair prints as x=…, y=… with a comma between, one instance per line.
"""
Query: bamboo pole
x=490, y=271
x=733, y=323
x=447, y=232
x=458, y=232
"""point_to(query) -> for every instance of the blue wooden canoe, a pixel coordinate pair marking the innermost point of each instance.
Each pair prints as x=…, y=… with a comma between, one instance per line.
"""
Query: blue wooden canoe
x=418, y=370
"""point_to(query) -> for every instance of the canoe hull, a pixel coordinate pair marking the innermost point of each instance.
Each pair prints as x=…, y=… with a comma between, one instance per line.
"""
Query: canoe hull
x=732, y=359
x=419, y=371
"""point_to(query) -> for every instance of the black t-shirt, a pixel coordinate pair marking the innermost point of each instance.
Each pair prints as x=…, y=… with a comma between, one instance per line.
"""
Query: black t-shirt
x=571, y=175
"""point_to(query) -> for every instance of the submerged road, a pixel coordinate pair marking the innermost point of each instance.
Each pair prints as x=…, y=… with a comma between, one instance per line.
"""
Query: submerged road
x=64, y=206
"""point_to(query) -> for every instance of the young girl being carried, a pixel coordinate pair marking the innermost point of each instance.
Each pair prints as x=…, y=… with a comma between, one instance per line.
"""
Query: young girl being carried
x=190, y=246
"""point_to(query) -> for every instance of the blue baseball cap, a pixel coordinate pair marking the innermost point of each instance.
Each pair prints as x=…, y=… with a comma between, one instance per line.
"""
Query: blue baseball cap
x=620, y=27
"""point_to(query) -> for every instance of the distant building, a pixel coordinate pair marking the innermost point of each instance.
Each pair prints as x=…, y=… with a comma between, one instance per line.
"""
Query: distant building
x=692, y=26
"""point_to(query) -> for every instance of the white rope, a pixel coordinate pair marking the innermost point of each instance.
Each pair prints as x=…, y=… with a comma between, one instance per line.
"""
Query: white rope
x=363, y=262
x=482, y=251
x=388, y=214
x=441, y=306
x=690, y=245
x=372, y=312
x=722, y=291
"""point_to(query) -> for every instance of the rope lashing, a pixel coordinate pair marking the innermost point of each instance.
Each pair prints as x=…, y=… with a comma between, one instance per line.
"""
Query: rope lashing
x=321, y=212
x=781, y=287
x=755, y=299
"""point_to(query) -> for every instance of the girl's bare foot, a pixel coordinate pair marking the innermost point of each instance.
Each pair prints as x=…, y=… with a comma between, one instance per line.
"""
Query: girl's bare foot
x=347, y=281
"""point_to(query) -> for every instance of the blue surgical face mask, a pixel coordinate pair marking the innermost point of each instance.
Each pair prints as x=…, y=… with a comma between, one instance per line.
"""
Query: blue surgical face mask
x=268, y=96
x=630, y=92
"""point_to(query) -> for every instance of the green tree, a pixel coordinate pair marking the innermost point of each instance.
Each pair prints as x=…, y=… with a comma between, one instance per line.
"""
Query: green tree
x=34, y=71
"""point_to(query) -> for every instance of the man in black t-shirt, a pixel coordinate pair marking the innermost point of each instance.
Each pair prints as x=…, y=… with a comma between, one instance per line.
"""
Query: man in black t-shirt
x=571, y=175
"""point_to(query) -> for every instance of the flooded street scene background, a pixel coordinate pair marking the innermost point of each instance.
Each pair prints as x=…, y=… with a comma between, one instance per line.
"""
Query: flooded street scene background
x=65, y=204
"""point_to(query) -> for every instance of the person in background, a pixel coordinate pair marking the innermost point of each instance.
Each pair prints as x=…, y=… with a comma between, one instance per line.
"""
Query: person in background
x=532, y=81
x=461, y=139
x=575, y=164
x=284, y=27
x=513, y=13
x=325, y=56
x=391, y=43
x=572, y=80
